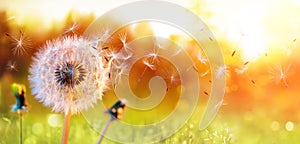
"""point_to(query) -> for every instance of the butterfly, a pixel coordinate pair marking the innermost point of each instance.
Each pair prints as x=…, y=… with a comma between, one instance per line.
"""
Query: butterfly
x=19, y=91
x=117, y=109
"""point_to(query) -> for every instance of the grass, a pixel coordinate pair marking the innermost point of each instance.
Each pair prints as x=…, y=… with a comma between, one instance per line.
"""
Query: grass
x=247, y=128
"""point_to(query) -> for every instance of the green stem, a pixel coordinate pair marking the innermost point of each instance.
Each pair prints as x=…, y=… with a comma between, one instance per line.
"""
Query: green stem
x=105, y=129
x=21, y=128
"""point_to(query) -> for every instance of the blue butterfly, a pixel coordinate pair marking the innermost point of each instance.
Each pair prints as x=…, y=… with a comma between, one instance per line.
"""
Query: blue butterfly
x=19, y=91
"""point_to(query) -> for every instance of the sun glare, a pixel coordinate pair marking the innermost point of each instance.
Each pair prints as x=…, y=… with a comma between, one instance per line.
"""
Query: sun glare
x=243, y=23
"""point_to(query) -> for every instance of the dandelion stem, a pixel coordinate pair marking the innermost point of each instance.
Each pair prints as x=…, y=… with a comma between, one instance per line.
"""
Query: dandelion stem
x=66, y=129
x=105, y=129
x=21, y=127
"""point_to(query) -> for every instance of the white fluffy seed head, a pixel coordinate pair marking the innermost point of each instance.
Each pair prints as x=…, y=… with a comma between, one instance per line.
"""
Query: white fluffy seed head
x=67, y=76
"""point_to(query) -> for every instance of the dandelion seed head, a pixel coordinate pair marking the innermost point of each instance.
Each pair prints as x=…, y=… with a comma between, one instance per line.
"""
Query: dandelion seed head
x=69, y=74
x=66, y=76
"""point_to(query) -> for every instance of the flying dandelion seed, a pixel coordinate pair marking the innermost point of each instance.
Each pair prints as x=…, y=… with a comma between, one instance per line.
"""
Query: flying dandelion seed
x=11, y=18
x=238, y=44
x=11, y=66
x=67, y=76
x=241, y=70
x=206, y=93
x=72, y=29
x=222, y=71
x=148, y=64
x=123, y=39
x=233, y=53
x=279, y=74
x=202, y=59
x=177, y=52
x=21, y=43
x=246, y=62
x=205, y=73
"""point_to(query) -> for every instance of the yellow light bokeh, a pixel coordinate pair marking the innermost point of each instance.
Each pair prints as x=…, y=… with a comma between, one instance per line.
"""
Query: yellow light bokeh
x=251, y=25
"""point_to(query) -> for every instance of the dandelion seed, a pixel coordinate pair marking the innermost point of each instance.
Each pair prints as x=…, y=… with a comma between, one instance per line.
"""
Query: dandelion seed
x=195, y=68
x=153, y=55
x=210, y=39
x=205, y=73
x=11, y=18
x=11, y=66
x=246, y=63
x=221, y=71
x=202, y=59
x=105, y=48
x=233, y=53
x=123, y=39
x=177, y=52
x=253, y=81
x=72, y=29
x=21, y=44
x=206, y=93
x=241, y=70
x=294, y=40
x=148, y=64
x=279, y=74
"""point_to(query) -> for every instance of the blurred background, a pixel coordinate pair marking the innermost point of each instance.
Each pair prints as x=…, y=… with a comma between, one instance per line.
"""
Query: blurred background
x=260, y=41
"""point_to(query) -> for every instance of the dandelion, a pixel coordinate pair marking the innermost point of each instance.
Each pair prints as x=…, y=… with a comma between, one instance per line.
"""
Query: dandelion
x=11, y=66
x=280, y=74
x=21, y=44
x=19, y=91
x=67, y=76
x=116, y=113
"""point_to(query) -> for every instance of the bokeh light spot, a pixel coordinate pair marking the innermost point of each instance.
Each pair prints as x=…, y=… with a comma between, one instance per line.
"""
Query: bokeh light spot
x=30, y=140
x=289, y=126
x=275, y=126
x=37, y=128
x=55, y=120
